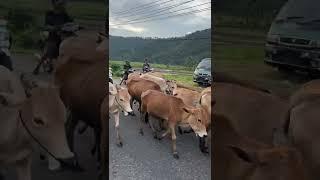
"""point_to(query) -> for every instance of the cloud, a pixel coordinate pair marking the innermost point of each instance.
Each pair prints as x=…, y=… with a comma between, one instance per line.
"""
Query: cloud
x=177, y=26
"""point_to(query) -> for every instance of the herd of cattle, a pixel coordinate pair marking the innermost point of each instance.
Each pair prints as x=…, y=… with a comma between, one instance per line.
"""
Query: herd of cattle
x=163, y=103
x=256, y=135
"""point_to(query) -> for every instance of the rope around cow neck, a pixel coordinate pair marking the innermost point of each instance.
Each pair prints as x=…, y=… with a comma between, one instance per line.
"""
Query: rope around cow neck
x=36, y=140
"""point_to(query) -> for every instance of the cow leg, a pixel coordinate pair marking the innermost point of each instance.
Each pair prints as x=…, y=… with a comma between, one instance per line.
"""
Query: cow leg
x=23, y=168
x=71, y=123
x=142, y=118
x=117, y=122
x=164, y=134
x=131, y=104
x=151, y=123
x=174, y=140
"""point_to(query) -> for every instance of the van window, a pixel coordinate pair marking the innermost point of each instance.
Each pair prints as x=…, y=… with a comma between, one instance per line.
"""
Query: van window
x=300, y=11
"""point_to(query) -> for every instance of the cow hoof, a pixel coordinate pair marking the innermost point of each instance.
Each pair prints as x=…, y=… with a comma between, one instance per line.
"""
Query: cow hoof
x=205, y=150
x=176, y=155
x=132, y=114
x=119, y=144
x=141, y=132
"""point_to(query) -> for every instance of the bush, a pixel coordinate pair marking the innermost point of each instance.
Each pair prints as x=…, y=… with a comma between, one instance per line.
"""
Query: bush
x=116, y=70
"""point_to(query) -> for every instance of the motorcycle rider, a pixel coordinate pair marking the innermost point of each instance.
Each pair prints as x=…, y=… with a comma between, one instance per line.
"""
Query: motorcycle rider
x=53, y=20
x=5, y=44
x=146, y=65
x=126, y=68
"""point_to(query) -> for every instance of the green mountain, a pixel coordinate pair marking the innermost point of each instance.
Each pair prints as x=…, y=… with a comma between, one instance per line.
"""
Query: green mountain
x=173, y=51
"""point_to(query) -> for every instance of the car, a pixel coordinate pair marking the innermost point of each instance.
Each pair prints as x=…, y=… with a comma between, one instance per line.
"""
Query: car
x=202, y=73
x=293, y=41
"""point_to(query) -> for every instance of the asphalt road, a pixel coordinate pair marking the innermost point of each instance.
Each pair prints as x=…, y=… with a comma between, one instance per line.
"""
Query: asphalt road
x=143, y=157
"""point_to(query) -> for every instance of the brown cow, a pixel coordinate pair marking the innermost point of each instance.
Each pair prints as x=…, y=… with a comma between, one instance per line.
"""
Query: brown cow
x=136, y=86
x=82, y=82
x=174, y=112
x=303, y=124
x=252, y=112
x=238, y=157
x=194, y=98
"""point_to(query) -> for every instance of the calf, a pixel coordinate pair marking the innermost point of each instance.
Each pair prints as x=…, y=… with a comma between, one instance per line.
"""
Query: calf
x=194, y=98
x=119, y=100
x=174, y=112
x=238, y=157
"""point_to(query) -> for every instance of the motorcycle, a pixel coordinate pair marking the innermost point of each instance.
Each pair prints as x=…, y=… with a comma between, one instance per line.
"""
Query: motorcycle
x=146, y=69
x=64, y=31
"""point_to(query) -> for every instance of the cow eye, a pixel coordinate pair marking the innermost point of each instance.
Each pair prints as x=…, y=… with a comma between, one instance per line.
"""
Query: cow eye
x=121, y=99
x=199, y=120
x=38, y=121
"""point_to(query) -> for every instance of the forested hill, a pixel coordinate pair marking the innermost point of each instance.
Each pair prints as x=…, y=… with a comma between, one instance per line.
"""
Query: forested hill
x=180, y=50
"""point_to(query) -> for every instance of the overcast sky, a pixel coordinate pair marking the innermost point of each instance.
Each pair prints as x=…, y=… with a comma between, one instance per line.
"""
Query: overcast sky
x=122, y=11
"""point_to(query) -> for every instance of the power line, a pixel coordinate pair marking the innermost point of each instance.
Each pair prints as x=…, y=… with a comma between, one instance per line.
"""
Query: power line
x=138, y=8
x=167, y=17
x=161, y=14
x=161, y=10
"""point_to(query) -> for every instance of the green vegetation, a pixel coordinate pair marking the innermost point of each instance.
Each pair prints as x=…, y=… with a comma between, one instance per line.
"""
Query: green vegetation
x=25, y=18
x=187, y=50
x=181, y=74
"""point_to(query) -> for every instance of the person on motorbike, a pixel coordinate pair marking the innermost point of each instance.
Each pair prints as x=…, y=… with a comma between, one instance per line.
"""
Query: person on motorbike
x=54, y=19
x=146, y=66
x=5, y=44
x=126, y=68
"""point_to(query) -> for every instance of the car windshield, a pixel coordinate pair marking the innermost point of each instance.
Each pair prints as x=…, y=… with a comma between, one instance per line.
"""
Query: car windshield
x=300, y=11
x=205, y=65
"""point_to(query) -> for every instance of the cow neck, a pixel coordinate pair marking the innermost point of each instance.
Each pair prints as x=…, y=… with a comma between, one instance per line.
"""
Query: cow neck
x=117, y=101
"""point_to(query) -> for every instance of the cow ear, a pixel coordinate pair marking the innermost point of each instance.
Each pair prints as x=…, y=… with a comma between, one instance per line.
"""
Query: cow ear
x=279, y=138
x=243, y=154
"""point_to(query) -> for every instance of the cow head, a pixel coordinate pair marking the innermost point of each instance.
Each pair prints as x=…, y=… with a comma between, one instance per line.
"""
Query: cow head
x=198, y=119
x=171, y=86
x=278, y=163
x=124, y=98
x=45, y=115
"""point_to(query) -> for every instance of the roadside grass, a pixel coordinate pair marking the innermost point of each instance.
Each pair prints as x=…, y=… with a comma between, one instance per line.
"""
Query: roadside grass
x=181, y=74
x=247, y=62
x=185, y=80
x=158, y=66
